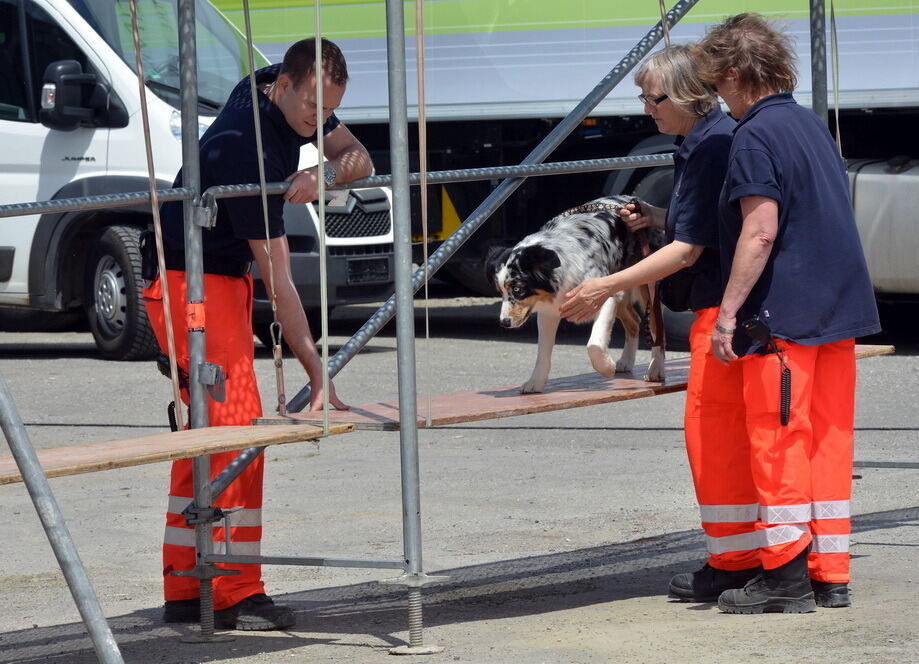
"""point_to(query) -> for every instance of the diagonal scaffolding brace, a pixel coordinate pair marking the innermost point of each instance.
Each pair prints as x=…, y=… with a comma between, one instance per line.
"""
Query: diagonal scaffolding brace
x=52, y=520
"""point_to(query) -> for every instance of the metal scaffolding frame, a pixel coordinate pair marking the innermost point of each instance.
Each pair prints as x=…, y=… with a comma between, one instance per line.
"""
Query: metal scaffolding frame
x=198, y=207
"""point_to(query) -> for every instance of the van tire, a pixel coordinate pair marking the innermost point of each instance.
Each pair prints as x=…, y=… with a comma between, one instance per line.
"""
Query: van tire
x=114, y=304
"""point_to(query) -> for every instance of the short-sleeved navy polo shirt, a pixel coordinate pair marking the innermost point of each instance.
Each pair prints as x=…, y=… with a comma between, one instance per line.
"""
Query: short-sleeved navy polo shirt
x=700, y=163
x=228, y=156
x=815, y=287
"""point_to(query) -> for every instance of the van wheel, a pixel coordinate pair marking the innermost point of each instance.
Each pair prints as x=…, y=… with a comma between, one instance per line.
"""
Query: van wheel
x=114, y=305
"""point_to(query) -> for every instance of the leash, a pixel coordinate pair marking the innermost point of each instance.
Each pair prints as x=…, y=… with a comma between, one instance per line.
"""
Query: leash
x=654, y=302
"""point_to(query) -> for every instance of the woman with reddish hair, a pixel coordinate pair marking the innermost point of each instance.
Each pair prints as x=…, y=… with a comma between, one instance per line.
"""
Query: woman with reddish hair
x=797, y=293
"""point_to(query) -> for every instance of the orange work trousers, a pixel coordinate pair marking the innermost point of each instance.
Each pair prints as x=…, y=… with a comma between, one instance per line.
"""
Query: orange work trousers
x=228, y=329
x=803, y=471
x=719, y=452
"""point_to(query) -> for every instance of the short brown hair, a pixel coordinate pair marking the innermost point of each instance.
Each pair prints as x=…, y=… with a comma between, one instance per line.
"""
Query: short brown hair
x=762, y=54
x=677, y=73
x=300, y=61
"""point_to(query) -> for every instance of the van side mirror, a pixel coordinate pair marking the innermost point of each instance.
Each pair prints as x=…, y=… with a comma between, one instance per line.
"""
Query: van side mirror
x=70, y=98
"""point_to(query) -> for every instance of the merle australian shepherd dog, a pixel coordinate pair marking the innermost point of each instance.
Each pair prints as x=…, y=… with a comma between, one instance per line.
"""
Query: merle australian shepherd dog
x=588, y=241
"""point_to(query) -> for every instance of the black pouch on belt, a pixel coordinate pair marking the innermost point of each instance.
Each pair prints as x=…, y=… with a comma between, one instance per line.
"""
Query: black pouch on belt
x=148, y=265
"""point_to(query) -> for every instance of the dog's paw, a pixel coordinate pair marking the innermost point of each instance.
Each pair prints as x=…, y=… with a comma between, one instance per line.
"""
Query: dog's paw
x=533, y=386
x=601, y=361
x=654, y=377
x=624, y=366
x=655, y=372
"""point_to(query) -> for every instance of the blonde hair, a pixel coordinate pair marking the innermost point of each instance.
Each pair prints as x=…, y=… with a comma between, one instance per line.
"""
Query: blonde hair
x=761, y=53
x=674, y=69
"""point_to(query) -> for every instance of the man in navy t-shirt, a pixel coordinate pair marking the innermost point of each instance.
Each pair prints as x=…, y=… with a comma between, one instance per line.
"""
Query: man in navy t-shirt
x=289, y=118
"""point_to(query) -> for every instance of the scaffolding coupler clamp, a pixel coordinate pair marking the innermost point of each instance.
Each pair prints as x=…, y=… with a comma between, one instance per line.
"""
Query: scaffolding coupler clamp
x=205, y=211
x=195, y=515
x=211, y=375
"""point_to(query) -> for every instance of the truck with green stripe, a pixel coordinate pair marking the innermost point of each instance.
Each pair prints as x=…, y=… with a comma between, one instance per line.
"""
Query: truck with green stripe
x=499, y=74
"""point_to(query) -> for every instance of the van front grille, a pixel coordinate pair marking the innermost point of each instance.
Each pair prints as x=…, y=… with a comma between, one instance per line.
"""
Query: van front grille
x=357, y=224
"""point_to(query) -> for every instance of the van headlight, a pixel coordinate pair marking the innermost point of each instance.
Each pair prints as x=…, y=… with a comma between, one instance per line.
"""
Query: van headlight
x=175, y=126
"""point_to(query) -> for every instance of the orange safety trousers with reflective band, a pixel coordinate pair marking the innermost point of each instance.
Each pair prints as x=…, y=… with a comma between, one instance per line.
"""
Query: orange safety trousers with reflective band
x=803, y=471
x=719, y=451
x=228, y=329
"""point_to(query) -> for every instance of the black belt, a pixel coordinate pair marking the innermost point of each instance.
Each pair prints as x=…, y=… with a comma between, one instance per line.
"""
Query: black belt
x=222, y=265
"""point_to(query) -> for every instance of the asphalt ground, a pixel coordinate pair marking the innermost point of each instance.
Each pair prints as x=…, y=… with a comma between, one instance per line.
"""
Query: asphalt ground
x=558, y=531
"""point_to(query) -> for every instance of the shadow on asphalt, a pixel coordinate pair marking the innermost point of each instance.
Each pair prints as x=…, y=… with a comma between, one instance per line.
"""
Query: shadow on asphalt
x=493, y=591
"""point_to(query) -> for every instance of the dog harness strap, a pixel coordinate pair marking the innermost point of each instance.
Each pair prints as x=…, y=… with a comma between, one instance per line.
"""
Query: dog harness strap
x=656, y=337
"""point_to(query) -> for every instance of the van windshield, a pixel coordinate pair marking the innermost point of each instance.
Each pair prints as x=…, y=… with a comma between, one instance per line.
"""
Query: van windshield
x=221, y=48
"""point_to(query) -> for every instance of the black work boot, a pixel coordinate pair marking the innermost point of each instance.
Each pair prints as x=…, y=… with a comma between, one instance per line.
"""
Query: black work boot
x=255, y=613
x=708, y=583
x=831, y=595
x=182, y=611
x=785, y=589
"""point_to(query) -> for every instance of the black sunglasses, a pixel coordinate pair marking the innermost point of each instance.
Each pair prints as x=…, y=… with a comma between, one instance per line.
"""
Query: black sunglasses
x=652, y=102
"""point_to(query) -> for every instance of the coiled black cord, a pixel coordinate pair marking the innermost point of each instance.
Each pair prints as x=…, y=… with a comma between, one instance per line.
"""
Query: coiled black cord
x=785, y=393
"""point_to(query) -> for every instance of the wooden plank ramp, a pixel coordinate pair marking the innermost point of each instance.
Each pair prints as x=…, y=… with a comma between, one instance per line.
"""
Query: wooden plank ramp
x=588, y=389
x=92, y=457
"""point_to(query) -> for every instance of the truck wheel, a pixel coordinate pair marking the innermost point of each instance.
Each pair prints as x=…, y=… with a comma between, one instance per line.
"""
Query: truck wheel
x=114, y=306
x=656, y=186
x=470, y=274
x=262, y=329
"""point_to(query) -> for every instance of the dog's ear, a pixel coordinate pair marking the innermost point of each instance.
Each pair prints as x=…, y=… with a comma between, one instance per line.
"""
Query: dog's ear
x=495, y=258
x=540, y=262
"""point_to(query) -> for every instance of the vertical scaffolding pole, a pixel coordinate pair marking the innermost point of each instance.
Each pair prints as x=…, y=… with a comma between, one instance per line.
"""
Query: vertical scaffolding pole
x=191, y=179
x=194, y=316
x=414, y=577
x=818, y=59
x=49, y=512
x=405, y=322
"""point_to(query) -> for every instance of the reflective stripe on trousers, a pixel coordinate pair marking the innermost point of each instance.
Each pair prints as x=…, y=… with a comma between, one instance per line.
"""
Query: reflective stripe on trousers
x=830, y=509
x=821, y=544
x=186, y=537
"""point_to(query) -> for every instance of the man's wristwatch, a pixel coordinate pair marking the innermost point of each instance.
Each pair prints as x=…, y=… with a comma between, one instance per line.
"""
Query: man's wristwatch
x=329, y=174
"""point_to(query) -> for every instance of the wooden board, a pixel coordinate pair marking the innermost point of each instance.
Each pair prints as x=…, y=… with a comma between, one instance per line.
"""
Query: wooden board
x=169, y=446
x=560, y=393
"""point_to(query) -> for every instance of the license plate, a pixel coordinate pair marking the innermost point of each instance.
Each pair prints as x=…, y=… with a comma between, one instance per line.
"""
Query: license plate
x=366, y=270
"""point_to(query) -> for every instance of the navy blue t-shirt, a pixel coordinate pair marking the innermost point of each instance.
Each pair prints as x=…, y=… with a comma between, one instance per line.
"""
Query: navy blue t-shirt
x=700, y=163
x=815, y=287
x=228, y=156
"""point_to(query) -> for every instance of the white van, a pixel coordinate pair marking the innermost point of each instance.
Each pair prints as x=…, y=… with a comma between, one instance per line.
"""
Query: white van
x=90, y=141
